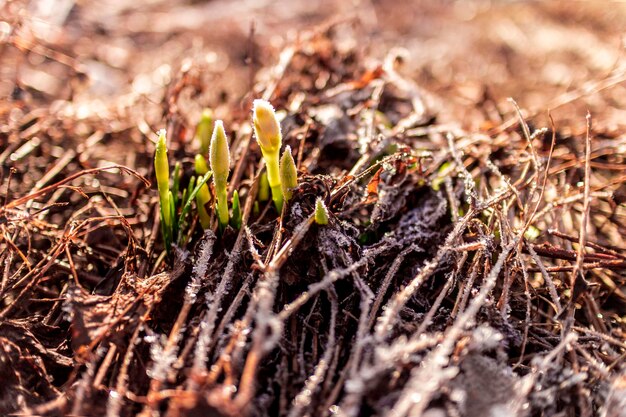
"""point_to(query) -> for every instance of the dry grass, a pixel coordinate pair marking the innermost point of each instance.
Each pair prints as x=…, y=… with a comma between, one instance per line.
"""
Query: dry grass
x=473, y=263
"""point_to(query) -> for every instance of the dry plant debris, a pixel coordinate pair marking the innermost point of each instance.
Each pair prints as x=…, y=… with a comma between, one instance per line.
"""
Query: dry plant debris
x=421, y=265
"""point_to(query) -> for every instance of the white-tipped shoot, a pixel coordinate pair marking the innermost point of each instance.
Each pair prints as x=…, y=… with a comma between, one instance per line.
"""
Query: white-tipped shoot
x=219, y=160
x=288, y=174
x=321, y=212
x=269, y=137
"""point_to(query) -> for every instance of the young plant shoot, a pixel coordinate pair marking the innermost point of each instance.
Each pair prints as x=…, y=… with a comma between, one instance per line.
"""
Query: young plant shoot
x=264, y=188
x=321, y=212
x=200, y=165
x=269, y=138
x=288, y=174
x=219, y=159
x=235, y=219
x=204, y=196
x=202, y=199
x=162, y=171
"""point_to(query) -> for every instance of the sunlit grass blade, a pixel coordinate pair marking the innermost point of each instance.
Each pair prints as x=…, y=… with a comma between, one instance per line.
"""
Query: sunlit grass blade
x=235, y=220
x=192, y=195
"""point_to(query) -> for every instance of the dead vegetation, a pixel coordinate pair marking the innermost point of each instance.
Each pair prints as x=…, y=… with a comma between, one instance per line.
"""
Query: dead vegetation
x=467, y=269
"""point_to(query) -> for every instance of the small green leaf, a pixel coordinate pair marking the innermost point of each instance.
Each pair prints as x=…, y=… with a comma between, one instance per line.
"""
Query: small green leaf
x=288, y=174
x=203, y=197
x=200, y=165
x=321, y=212
x=190, y=187
x=264, y=188
x=192, y=195
x=235, y=220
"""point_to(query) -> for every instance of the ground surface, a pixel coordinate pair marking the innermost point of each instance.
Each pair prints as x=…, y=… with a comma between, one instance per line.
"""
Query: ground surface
x=474, y=263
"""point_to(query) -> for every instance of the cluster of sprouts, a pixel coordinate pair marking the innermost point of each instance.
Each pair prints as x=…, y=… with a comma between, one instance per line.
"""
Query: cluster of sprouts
x=280, y=178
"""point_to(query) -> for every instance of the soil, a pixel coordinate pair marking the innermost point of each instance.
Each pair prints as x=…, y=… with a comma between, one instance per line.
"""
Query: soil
x=470, y=155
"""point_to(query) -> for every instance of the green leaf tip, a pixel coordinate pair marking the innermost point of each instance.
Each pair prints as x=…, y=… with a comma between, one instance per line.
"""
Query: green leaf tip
x=200, y=165
x=288, y=174
x=161, y=163
x=219, y=160
x=162, y=172
x=235, y=220
x=202, y=199
x=321, y=212
x=219, y=155
x=264, y=188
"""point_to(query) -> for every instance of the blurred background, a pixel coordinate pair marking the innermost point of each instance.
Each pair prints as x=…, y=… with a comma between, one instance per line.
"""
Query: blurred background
x=85, y=59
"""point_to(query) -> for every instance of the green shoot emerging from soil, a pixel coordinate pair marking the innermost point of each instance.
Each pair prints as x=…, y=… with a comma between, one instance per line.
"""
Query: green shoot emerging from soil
x=204, y=196
x=321, y=212
x=219, y=160
x=162, y=170
x=235, y=220
x=173, y=228
x=200, y=165
x=264, y=188
x=288, y=174
x=202, y=199
x=427, y=244
x=269, y=138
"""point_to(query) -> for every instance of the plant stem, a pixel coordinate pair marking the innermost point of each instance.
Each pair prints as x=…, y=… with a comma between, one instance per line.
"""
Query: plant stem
x=222, y=208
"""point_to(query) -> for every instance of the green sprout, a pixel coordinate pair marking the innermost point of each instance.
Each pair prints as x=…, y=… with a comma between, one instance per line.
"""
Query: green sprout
x=202, y=199
x=162, y=170
x=219, y=159
x=171, y=203
x=203, y=131
x=288, y=174
x=264, y=188
x=321, y=212
x=235, y=220
x=200, y=165
x=204, y=196
x=173, y=229
x=269, y=138
x=190, y=187
x=194, y=188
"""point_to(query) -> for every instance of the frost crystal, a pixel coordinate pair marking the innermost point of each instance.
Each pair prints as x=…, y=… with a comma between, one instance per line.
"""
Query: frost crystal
x=200, y=266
